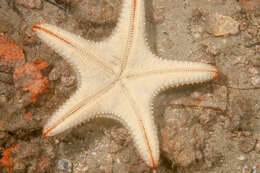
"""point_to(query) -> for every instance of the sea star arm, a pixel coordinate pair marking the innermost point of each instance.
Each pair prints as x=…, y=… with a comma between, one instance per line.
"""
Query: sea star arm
x=163, y=73
x=75, y=110
x=79, y=52
x=128, y=32
x=129, y=26
x=143, y=64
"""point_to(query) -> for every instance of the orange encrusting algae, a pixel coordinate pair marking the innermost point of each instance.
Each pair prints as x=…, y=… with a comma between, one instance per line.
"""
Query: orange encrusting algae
x=28, y=115
x=29, y=77
x=9, y=51
x=6, y=160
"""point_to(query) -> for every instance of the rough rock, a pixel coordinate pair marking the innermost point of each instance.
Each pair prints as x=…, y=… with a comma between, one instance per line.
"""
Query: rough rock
x=35, y=151
x=38, y=4
x=220, y=25
x=246, y=145
x=97, y=11
x=216, y=100
x=184, y=139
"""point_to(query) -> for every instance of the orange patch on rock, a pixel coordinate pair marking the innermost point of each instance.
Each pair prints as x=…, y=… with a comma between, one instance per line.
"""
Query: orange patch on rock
x=198, y=101
x=5, y=39
x=29, y=77
x=28, y=115
x=9, y=51
x=165, y=142
x=41, y=65
x=6, y=160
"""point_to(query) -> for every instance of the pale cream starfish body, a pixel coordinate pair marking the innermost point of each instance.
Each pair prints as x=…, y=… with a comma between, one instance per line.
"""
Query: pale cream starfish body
x=118, y=78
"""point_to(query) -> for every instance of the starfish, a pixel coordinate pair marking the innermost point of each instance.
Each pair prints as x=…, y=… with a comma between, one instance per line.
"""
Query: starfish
x=118, y=78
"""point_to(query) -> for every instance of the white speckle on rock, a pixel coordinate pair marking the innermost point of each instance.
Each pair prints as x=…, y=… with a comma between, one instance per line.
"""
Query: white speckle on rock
x=242, y=158
x=253, y=71
x=255, y=80
x=118, y=161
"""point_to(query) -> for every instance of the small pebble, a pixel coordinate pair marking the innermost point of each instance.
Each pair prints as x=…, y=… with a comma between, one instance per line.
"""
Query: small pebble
x=65, y=165
x=54, y=74
x=253, y=71
x=242, y=158
x=118, y=161
x=245, y=169
x=239, y=60
x=257, y=147
x=255, y=80
x=158, y=16
x=220, y=25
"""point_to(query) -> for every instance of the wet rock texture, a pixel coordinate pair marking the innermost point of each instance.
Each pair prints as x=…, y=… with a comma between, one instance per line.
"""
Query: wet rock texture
x=212, y=127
